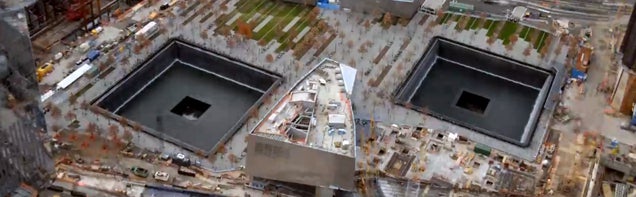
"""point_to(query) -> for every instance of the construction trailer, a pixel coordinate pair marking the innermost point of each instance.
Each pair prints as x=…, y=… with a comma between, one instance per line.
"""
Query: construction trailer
x=455, y=6
x=432, y=6
x=517, y=14
x=399, y=8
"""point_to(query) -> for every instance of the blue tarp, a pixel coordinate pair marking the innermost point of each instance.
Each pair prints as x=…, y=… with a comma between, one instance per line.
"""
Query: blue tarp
x=577, y=74
x=328, y=6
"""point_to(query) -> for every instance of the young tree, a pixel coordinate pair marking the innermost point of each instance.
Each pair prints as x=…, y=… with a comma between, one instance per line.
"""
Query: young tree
x=244, y=29
x=127, y=135
x=387, y=20
x=350, y=44
x=440, y=14
x=221, y=149
x=84, y=105
x=56, y=128
x=69, y=116
x=204, y=34
x=367, y=24
x=136, y=126
x=55, y=111
x=352, y=63
x=362, y=49
x=269, y=58
x=513, y=39
x=91, y=127
x=491, y=40
x=231, y=42
x=233, y=158
x=262, y=42
x=526, y=52
x=123, y=121
x=113, y=130
x=399, y=67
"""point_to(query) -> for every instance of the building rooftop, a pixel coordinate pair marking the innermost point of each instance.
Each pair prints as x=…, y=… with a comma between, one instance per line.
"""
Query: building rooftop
x=316, y=112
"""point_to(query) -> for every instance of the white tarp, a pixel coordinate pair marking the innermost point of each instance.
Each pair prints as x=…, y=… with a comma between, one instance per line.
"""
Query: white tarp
x=70, y=79
x=46, y=95
x=348, y=76
x=518, y=12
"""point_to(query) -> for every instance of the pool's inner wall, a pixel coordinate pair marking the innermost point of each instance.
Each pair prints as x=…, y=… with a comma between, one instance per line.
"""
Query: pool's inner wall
x=127, y=88
x=176, y=50
x=486, y=62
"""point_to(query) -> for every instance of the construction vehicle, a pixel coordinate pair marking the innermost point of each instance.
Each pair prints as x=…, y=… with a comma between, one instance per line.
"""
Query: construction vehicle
x=148, y=30
x=44, y=70
x=162, y=176
x=140, y=172
x=93, y=55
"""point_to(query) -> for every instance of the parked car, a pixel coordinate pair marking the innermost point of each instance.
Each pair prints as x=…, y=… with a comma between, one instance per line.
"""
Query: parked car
x=140, y=172
x=181, y=159
x=78, y=159
x=164, y=157
x=162, y=176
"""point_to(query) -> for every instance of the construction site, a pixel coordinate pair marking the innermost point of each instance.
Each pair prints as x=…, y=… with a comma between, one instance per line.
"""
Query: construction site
x=315, y=98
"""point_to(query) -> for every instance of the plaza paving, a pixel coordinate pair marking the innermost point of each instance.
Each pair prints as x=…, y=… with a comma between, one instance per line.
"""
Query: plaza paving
x=405, y=45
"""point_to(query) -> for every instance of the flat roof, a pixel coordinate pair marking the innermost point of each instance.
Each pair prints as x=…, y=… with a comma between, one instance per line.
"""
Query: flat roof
x=189, y=96
x=433, y=4
x=308, y=125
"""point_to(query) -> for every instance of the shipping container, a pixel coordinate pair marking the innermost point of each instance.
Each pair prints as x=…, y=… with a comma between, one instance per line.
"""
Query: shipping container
x=186, y=171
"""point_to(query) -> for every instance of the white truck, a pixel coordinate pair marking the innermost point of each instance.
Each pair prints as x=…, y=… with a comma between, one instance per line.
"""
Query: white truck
x=148, y=30
x=517, y=14
x=432, y=6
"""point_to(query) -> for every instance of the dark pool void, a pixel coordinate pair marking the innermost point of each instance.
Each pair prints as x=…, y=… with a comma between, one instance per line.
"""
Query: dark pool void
x=477, y=89
x=189, y=96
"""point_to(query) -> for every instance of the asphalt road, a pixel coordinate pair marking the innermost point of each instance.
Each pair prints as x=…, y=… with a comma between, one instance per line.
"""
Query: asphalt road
x=592, y=10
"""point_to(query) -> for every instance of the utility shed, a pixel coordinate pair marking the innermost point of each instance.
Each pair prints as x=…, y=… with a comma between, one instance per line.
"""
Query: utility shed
x=432, y=6
x=337, y=120
x=517, y=13
x=482, y=149
x=306, y=99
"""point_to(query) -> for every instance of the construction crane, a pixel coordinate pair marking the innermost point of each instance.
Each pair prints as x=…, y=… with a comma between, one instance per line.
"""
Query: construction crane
x=77, y=10
x=366, y=147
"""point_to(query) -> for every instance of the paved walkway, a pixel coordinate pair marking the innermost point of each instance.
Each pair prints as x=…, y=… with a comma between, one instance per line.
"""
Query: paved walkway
x=368, y=100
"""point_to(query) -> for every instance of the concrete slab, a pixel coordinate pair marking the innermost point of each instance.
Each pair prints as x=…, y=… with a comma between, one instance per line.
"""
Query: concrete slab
x=301, y=34
x=233, y=19
x=263, y=23
x=291, y=24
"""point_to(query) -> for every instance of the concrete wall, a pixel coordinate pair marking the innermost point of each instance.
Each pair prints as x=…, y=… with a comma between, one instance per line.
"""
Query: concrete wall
x=624, y=94
x=277, y=160
x=396, y=8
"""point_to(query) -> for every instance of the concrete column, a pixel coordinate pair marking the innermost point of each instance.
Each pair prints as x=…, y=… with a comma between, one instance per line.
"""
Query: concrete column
x=324, y=192
x=624, y=93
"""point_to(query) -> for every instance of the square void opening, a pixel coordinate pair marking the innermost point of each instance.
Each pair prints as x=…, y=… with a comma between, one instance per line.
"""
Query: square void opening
x=479, y=90
x=189, y=96
x=472, y=102
x=190, y=108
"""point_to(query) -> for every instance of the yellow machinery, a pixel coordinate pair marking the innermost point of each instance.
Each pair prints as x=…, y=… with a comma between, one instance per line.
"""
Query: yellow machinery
x=44, y=70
